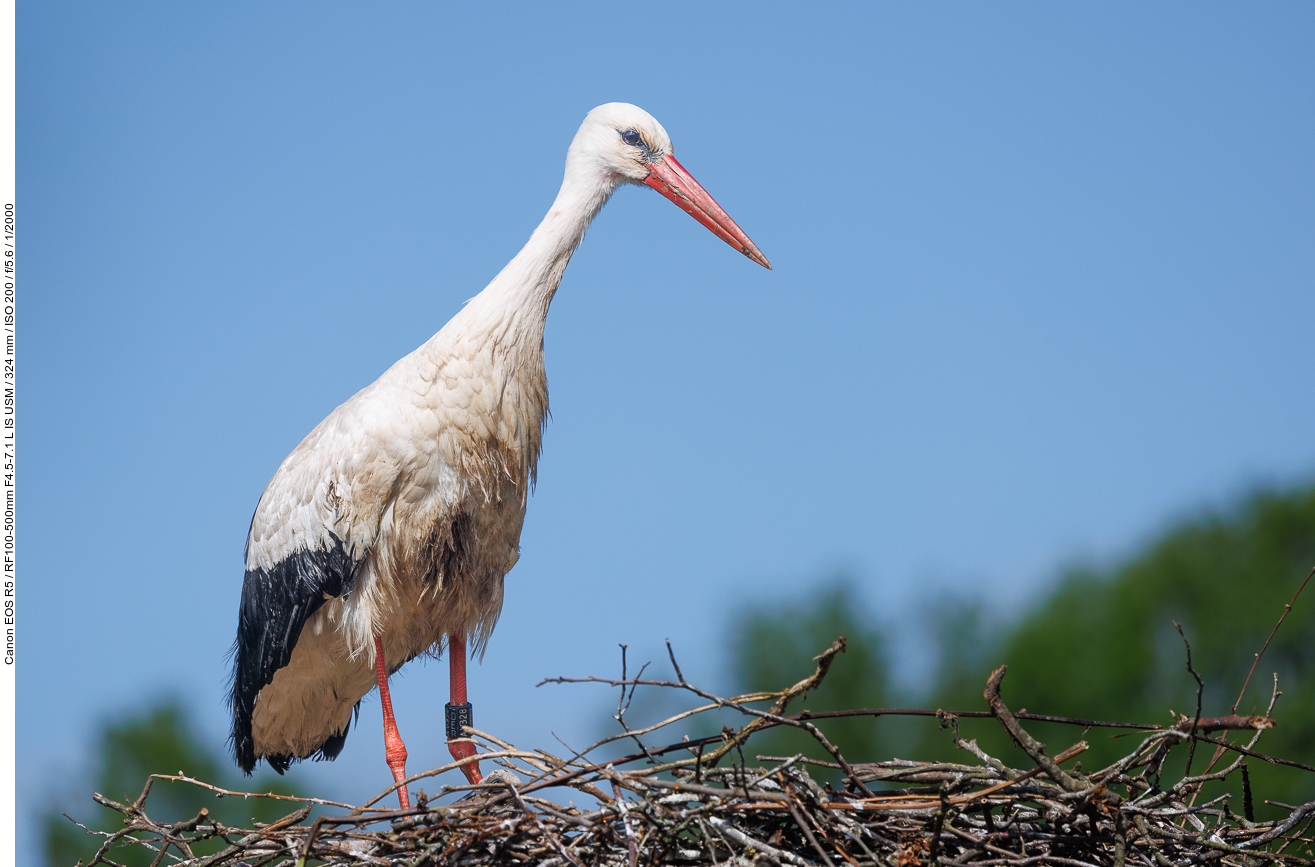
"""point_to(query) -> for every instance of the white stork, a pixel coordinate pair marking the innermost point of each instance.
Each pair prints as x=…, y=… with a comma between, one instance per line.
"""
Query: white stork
x=388, y=530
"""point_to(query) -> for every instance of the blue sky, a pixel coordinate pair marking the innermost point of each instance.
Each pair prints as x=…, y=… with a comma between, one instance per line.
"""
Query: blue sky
x=1044, y=279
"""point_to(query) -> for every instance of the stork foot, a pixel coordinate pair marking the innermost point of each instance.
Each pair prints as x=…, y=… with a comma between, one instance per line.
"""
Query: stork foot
x=395, y=754
x=394, y=749
x=461, y=751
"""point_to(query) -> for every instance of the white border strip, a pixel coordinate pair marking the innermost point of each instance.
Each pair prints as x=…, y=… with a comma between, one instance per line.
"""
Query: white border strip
x=8, y=795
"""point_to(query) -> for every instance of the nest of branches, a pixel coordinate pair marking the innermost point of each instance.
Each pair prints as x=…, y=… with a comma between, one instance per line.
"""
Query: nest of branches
x=701, y=801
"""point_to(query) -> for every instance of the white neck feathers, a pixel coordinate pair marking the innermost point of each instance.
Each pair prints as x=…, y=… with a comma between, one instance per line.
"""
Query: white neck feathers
x=517, y=299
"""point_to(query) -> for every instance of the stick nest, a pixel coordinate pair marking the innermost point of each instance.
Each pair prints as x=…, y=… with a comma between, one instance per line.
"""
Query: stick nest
x=701, y=802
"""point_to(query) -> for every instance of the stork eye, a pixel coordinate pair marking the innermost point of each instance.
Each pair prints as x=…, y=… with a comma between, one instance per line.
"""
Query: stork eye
x=632, y=138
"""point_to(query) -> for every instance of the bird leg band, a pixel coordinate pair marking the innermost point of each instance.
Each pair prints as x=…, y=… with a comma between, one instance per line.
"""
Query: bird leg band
x=458, y=715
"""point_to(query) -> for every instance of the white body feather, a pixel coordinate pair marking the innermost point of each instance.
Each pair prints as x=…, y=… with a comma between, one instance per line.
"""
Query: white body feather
x=424, y=475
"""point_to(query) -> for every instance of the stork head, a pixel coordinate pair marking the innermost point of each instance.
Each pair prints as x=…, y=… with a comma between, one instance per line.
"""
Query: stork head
x=626, y=144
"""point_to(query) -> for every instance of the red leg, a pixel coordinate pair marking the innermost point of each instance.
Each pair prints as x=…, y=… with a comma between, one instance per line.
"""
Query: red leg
x=456, y=649
x=394, y=749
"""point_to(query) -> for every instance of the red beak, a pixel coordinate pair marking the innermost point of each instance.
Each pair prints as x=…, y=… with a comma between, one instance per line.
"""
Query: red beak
x=670, y=179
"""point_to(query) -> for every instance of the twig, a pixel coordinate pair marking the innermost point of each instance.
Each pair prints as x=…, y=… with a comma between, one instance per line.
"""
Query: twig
x=625, y=818
x=1030, y=746
x=1265, y=646
x=729, y=830
x=1200, y=687
x=183, y=778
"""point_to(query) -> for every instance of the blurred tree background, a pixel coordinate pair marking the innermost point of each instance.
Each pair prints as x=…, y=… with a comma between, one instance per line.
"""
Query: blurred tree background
x=1100, y=645
x=163, y=738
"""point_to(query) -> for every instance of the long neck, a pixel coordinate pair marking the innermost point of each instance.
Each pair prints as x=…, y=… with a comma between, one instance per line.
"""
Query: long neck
x=515, y=303
x=501, y=332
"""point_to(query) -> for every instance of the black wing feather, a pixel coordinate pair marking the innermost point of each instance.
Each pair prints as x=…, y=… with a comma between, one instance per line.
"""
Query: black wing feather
x=276, y=603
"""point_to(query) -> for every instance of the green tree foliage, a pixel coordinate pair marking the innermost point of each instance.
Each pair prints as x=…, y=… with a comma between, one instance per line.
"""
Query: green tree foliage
x=1102, y=645
x=160, y=739
x=774, y=648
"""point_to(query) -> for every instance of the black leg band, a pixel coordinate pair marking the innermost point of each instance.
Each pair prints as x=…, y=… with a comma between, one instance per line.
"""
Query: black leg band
x=458, y=715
